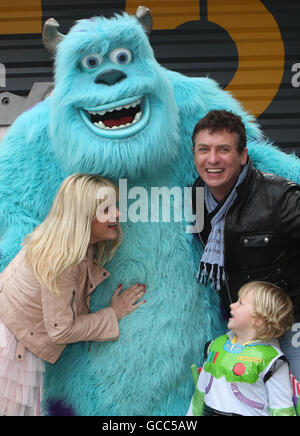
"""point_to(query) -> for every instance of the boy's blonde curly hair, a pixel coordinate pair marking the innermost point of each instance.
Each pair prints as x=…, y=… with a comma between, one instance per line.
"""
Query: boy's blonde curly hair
x=273, y=306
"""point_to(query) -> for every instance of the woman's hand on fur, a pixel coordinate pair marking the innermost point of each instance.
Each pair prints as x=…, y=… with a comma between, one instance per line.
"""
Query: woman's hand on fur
x=125, y=303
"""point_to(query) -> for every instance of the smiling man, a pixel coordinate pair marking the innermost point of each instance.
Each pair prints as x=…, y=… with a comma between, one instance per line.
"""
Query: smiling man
x=251, y=220
x=219, y=155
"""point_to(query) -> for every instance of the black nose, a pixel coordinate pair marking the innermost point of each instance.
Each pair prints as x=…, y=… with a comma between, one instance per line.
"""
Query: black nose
x=110, y=77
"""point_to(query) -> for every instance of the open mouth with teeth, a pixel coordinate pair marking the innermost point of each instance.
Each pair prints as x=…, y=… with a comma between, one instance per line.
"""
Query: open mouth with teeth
x=214, y=170
x=119, y=119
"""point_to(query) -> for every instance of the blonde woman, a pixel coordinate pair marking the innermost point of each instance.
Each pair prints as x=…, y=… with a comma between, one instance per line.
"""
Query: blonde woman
x=45, y=290
x=245, y=372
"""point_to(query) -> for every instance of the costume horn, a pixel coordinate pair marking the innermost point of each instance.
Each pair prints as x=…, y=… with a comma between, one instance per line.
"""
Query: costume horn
x=144, y=17
x=51, y=36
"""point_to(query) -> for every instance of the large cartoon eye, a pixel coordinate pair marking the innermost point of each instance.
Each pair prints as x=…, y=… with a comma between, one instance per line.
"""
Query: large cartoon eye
x=120, y=56
x=91, y=61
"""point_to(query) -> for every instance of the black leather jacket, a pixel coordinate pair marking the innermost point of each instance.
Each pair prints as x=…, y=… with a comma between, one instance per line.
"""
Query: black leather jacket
x=262, y=236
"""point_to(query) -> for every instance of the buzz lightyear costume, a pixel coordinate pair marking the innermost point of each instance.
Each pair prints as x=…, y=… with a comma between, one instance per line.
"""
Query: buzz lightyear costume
x=248, y=380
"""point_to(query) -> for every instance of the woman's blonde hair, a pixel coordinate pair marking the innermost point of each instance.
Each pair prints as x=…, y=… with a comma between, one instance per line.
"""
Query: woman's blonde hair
x=273, y=306
x=62, y=239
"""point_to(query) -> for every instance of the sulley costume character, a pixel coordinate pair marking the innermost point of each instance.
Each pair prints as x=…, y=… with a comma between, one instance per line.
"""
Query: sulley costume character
x=116, y=112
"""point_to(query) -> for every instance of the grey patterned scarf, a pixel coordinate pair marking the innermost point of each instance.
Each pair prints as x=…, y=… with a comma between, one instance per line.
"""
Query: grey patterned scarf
x=211, y=266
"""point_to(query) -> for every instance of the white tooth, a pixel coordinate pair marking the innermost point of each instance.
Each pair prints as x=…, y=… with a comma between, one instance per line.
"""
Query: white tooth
x=136, y=103
x=100, y=124
x=137, y=117
x=118, y=108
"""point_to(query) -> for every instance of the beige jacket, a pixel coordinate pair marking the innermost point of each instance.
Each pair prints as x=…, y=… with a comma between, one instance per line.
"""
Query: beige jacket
x=45, y=323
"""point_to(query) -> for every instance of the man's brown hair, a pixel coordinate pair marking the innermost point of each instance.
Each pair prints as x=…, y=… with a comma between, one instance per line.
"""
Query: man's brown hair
x=219, y=120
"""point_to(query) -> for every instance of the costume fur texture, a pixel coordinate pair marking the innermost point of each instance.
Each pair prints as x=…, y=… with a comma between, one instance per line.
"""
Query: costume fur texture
x=147, y=371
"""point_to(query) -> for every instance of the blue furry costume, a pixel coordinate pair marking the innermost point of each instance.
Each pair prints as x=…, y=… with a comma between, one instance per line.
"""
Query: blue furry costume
x=102, y=64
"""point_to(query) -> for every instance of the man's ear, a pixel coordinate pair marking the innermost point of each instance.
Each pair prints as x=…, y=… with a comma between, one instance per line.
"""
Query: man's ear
x=244, y=156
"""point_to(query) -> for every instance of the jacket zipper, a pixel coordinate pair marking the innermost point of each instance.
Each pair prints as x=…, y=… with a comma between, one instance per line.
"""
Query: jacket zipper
x=89, y=311
x=72, y=301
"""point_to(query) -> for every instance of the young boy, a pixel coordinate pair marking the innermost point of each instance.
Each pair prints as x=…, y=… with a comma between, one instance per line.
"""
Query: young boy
x=245, y=372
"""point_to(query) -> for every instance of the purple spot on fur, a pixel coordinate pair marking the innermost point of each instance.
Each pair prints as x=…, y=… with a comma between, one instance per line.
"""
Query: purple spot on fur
x=58, y=408
x=196, y=235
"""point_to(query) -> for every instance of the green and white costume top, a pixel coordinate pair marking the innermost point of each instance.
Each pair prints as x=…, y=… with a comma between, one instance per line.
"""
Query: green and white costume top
x=249, y=380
